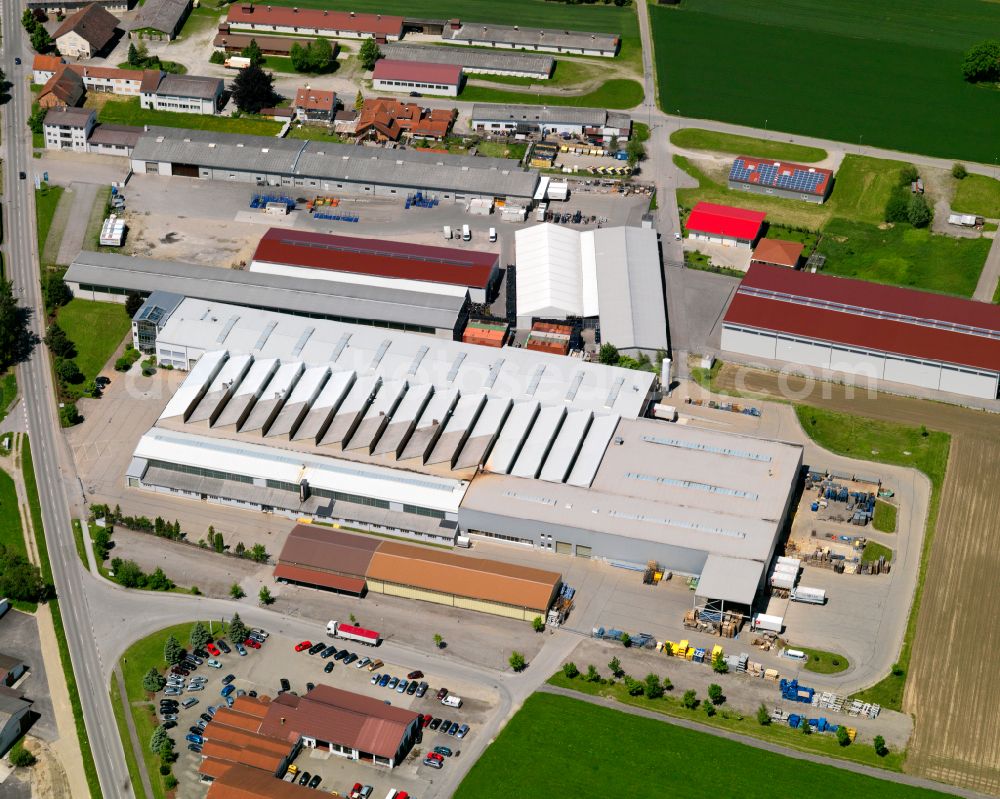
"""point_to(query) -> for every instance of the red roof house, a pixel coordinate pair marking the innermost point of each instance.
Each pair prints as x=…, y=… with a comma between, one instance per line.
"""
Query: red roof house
x=420, y=75
x=725, y=224
x=315, y=104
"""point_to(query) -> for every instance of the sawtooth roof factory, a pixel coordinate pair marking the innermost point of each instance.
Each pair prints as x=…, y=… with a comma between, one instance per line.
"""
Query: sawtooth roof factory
x=327, y=166
x=427, y=438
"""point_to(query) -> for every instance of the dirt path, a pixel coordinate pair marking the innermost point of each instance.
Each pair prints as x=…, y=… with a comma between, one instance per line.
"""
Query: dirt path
x=951, y=689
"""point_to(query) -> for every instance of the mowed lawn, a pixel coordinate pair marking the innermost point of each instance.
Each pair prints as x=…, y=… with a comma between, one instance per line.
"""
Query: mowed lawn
x=617, y=93
x=885, y=73
x=128, y=112
x=977, y=194
x=11, y=533
x=96, y=328
x=558, y=746
x=700, y=139
x=903, y=256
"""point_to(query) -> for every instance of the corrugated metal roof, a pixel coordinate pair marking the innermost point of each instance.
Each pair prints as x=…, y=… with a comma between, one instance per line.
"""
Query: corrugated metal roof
x=730, y=579
x=417, y=71
x=248, y=14
x=470, y=59
x=532, y=37
x=544, y=114
x=725, y=220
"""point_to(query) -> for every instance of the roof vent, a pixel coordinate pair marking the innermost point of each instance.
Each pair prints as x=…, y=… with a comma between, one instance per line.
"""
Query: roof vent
x=187, y=139
x=265, y=149
x=239, y=144
x=211, y=144
x=295, y=10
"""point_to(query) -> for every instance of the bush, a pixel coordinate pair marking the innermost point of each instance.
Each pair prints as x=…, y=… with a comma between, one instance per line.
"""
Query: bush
x=615, y=667
x=880, y=748
x=982, y=62
x=593, y=675
x=907, y=175
x=517, y=661
x=170, y=782
x=570, y=671
x=690, y=700
x=68, y=372
x=715, y=694
x=763, y=716
x=538, y=624
x=918, y=213
x=654, y=690
x=21, y=757
x=709, y=709
x=633, y=686
x=164, y=769
x=69, y=414
x=236, y=592
x=153, y=681
x=667, y=685
x=719, y=665
x=843, y=737
x=958, y=171
x=264, y=595
x=896, y=209
x=217, y=57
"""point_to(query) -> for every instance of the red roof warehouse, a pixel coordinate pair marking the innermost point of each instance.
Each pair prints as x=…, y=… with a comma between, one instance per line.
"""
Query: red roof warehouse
x=307, y=20
x=376, y=261
x=725, y=223
x=428, y=77
x=906, y=336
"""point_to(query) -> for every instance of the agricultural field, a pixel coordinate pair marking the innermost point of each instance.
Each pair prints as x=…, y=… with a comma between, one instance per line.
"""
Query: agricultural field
x=605, y=752
x=699, y=139
x=885, y=74
x=977, y=194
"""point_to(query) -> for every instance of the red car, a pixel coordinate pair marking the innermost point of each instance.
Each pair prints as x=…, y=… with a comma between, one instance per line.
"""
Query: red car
x=435, y=756
x=426, y=719
x=415, y=675
x=253, y=644
x=212, y=649
x=302, y=645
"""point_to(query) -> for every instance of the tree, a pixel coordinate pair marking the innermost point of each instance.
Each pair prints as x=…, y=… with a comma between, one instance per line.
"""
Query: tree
x=55, y=293
x=13, y=325
x=236, y=592
x=40, y=40
x=654, y=690
x=264, y=595
x=166, y=750
x=199, y=636
x=719, y=665
x=958, y=171
x=918, y=213
x=321, y=56
x=636, y=151
x=615, y=666
x=709, y=709
x=21, y=757
x=172, y=651
x=667, y=684
x=21, y=579
x=608, y=354
x=68, y=372
x=593, y=675
x=253, y=89
x=132, y=58
x=217, y=57
x=763, y=716
x=908, y=175
x=570, y=671
x=36, y=122
x=633, y=686
x=133, y=302
x=254, y=53
x=58, y=342
x=28, y=20
x=538, y=624
x=690, y=700
x=715, y=694
x=843, y=736
x=217, y=542
x=258, y=554
x=982, y=62
x=153, y=681
x=369, y=54
x=626, y=640
x=438, y=640
x=128, y=573
x=880, y=748
x=237, y=629
x=517, y=661
x=359, y=102
x=897, y=207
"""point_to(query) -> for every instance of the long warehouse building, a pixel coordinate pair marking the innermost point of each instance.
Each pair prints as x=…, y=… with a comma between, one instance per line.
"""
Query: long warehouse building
x=472, y=60
x=867, y=330
x=295, y=164
x=109, y=277
x=426, y=439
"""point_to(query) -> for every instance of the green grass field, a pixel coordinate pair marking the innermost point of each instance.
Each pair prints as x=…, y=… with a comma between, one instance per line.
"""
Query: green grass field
x=822, y=662
x=873, y=551
x=11, y=531
x=903, y=256
x=8, y=393
x=96, y=328
x=617, y=93
x=862, y=187
x=886, y=73
x=977, y=194
x=128, y=112
x=885, y=517
x=698, y=139
x=46, y=200
x=558, y=746
x=901, y=445
x=566, y=73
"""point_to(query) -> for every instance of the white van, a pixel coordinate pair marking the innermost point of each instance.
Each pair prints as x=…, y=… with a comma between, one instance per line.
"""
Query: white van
x=452, y=701
x=447, y=232
x=493, y=234
x=466, y=233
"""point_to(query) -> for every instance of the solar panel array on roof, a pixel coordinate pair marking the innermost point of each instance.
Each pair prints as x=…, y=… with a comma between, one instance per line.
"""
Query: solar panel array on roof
x=791, y=177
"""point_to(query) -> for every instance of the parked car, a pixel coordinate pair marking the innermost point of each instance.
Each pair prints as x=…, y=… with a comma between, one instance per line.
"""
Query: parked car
x=330, y=651
x=443, y=750
x=250, y=642
x=240, y=692
x=435, y=756
x=462, y=731
x=195, y=739
x=350, y=659
x=170, y=707
x=211, y=710
x=415, y=675
x=196, y=730
x=411, y=689
x=393, y=683
x=205, y=717
x=252, y=694
x=190, y=702
x=310, y=686
x=315, y=781
x=304, y=777
x=223, y=646
x=240, y=649
x=285, y=685
x=181, y=671
x=173, y=692
x=228, y=679
x=442, y=694
x=212, y=649
x=362, y=663
x=214, y=664
x=421, y=690
x=376, y=678
x=302, y=645
x=262, y=633
x=196, y=658
x=170, y=717
x=328, y=667
x=384, y=681
x=426, y=719
x=195, y=748
x=227, y=690
x=17, y=60
x=230, y=700
x=315, y=648
x=341, y=655
x=366, y=791
x=433, y=763
x=402, y=686
x=445, y=726
x=169, y=725
x=454, y=728
x=375, y=665
x=435, y=723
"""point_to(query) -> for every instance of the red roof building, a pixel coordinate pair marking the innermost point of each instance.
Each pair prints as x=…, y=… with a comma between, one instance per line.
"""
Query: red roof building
x=723, y=224
x=356, y=726
x=318, y=22
x=315, y=104
x=246, y=782
x=386, y=119
x=777, y=252
x=422, y=76
x=780, y=179
x=377, y=262
x=915, y=338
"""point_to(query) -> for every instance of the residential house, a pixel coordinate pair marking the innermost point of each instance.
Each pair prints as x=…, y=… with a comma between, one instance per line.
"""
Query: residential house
x=87, y=32
x=67, y=129
x=315, y=105
x=64, y=88
x=44, y=67
x=384, y=119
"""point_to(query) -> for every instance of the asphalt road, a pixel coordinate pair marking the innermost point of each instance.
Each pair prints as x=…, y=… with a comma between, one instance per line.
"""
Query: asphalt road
x=43, y=425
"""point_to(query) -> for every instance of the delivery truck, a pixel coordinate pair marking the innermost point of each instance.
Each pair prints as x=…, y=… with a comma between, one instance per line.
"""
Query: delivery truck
x=814, y=596
x=350, y=632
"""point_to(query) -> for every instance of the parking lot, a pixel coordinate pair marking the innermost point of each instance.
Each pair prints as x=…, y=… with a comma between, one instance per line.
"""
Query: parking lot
x=19, y=639
x=262, y=671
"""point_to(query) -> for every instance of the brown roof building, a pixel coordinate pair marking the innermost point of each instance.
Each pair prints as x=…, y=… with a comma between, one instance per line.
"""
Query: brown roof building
x=325, y=558
x=64, y=88
x=236, y=43
x=233, y=738
x=383, y=118
x=86, y=32
x=315, y=104
x=349, y=724
x=777, y=253
x=245, y=782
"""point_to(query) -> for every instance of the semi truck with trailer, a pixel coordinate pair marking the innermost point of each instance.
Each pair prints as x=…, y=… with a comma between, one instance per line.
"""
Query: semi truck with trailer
x=814, y=596
x=350, y=632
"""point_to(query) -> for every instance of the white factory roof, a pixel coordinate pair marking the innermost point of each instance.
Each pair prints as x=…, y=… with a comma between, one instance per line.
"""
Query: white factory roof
x=613, y=273
x=730, y=579
x=268, y=463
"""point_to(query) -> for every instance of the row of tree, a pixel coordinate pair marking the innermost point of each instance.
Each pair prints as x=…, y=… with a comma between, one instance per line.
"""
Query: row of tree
x=40, y=39
x=129, y=574
x=21, y=579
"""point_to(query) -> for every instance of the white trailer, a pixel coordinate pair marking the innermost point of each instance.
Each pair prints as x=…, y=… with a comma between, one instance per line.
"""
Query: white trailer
x=773, y=624
x=782, y=580
x=667, y=412
x=558, y=190
x=814, y=596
